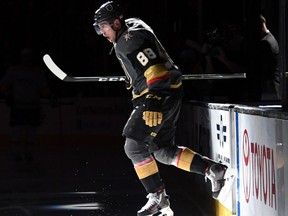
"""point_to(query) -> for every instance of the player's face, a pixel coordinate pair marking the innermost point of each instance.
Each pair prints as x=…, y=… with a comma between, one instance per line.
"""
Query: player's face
x=107, y=31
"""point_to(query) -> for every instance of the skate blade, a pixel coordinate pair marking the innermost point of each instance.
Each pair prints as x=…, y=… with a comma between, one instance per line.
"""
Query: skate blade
x=229, y=182
x=165, y=212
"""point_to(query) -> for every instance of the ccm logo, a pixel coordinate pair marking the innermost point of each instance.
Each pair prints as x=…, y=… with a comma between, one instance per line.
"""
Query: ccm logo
x=104, y=79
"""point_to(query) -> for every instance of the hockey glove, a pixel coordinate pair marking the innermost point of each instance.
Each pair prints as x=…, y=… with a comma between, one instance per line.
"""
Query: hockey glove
x=152, y=114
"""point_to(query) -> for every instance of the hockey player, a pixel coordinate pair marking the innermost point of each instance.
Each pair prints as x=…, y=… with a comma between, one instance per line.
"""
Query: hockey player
x=156, y=96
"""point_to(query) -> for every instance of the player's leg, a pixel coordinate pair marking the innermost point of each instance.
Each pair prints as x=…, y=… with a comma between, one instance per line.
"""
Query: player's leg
x=148, y=173
x=138, y=148
x=183, y=157
x=188, y=160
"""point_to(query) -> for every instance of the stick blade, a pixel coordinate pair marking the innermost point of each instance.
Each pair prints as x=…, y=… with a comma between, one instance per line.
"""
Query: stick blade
x=53, y=67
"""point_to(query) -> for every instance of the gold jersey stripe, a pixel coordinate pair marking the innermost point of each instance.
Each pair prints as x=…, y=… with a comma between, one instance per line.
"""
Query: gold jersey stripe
x=141, y=93
x=185, y=159
x=147, y=169
x=155, y=71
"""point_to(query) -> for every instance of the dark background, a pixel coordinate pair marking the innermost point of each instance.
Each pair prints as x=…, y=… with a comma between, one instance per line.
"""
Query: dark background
x=64, y=29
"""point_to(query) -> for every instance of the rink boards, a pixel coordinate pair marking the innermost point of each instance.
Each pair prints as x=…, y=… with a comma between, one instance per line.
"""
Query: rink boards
x=251, y=140
x=254, y=141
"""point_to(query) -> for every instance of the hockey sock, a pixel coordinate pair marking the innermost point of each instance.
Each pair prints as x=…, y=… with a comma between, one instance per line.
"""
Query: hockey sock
x=147, y=172
x=198, y=165
x=185, y=158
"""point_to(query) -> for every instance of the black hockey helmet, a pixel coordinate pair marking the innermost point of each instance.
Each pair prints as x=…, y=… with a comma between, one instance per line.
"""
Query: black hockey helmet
x=108, y=11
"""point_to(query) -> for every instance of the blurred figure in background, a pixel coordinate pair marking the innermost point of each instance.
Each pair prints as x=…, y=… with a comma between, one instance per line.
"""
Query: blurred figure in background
x=268, y=62
x=225, y=54
x=224, y=50
x=23, y=86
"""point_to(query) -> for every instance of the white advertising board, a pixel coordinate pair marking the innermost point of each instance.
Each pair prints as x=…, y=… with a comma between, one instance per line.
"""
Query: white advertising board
x=220, y=134
x=222, y=146
x=256, y=158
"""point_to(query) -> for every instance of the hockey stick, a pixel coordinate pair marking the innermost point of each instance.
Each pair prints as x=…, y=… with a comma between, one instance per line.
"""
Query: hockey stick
x=63, y=76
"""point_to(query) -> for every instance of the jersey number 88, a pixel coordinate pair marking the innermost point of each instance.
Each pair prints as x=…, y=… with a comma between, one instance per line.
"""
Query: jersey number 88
x=143, y=57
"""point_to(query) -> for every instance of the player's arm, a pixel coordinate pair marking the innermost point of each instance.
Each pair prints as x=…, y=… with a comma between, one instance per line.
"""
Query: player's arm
x=146, y=60
x=157, y=80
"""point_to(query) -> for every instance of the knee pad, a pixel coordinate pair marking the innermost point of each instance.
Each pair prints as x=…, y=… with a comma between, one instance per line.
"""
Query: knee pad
x=136, y=151
x=127, y=147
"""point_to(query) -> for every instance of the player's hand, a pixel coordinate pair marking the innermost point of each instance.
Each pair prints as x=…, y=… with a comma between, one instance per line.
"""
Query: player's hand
x=152, y=114
x=152, y=118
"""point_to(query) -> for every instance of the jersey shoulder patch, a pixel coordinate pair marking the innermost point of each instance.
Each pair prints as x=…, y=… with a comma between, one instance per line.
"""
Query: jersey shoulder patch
x=130, y=41
x=127, y=36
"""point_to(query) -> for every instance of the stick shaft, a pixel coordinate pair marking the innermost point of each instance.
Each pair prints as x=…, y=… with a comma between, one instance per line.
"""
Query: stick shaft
x=63, y=76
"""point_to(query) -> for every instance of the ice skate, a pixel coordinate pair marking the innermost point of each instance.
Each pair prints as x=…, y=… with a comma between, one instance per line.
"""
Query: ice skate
x=219, y=175
x=158, y=204
x=228, y=183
